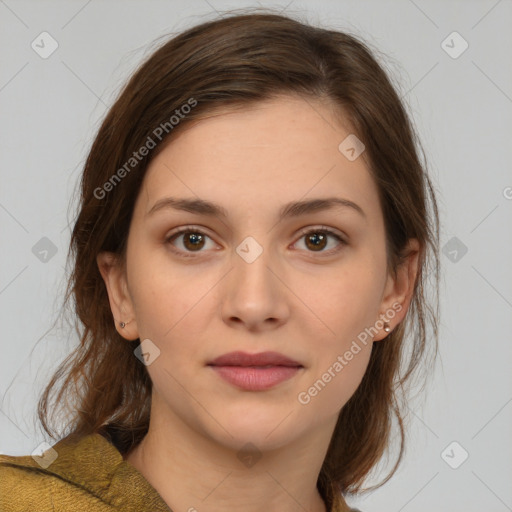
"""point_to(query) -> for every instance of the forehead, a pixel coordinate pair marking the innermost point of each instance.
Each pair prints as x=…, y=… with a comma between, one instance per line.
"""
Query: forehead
x=295, y=125
x=268, y=153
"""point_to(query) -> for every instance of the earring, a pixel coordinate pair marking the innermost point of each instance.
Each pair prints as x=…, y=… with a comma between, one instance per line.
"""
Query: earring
x=387, y=328
x=122, y=324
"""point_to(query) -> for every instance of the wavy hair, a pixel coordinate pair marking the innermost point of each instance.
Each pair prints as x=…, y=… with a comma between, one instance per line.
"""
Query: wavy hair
x=237, y=61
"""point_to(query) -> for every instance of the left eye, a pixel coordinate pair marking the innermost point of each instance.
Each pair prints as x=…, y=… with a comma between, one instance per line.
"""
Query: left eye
x=317, y=239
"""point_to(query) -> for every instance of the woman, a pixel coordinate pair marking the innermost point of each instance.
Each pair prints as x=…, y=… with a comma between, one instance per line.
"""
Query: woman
x=249, y=269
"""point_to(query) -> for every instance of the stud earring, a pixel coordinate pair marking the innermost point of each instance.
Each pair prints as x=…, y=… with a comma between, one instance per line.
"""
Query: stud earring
x=122, y=324
x=387, y=328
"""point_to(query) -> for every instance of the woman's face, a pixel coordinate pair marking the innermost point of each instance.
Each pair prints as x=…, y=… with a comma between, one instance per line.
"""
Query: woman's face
x=253, y=280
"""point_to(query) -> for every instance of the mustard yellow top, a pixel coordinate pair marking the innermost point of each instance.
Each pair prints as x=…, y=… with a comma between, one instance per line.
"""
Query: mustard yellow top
x=89, y=475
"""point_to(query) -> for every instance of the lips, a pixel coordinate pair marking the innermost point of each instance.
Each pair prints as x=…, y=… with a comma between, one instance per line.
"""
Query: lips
x=255, y=372
x=263, y=359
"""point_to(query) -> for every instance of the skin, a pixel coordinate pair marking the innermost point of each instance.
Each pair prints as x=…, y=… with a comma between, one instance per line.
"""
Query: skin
x=292, y=299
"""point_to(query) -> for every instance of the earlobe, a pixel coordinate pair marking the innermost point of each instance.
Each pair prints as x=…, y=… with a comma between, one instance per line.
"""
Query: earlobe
x=399, y=290
x=114, y=276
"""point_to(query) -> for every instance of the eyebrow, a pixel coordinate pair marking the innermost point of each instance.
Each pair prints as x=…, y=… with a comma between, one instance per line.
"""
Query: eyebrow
x=289, y=210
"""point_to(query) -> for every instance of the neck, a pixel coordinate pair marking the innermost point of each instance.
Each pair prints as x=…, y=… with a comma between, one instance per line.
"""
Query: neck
x=191, y=472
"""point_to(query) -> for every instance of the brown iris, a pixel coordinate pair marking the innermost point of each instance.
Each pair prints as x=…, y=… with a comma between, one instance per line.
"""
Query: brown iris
x=196, y=240
x=316, y=240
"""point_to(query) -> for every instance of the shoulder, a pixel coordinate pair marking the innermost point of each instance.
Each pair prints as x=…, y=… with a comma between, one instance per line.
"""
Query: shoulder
x=44, y=483
x=88, y=474
x=22, y=488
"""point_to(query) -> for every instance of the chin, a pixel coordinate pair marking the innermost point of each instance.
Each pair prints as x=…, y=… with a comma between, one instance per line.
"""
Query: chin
x=267, y=430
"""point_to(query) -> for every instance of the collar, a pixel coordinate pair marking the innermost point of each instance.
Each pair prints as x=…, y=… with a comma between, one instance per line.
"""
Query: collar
x=94, y=464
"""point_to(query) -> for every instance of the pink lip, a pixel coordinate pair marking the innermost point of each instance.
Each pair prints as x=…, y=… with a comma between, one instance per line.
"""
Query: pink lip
x=255, y=372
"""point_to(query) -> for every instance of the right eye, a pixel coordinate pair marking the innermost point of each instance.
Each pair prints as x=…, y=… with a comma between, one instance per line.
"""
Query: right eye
x=191, y=240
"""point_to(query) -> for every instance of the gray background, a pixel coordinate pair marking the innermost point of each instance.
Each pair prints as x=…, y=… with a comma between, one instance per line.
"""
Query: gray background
x=462, y=107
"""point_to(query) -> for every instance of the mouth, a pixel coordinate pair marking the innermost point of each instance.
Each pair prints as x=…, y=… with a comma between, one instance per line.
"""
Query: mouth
x=255, y=372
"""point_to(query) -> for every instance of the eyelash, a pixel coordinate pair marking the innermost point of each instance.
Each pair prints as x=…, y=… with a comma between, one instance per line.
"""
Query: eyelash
x=303, y=233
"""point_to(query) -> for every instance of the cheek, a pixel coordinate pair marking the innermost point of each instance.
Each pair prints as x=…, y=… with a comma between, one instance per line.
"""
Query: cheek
x=170, y=303
x=335, y=379
x=347, y=304
x=347, y=300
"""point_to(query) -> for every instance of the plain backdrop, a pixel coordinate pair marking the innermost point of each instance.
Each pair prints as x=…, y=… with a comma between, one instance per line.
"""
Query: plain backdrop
x=451, y=62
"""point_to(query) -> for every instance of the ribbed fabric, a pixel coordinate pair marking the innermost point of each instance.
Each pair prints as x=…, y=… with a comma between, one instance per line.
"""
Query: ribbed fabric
x=88, y=475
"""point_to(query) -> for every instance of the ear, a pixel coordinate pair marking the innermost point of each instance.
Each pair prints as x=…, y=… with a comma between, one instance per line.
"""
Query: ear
x=399, y=289
x=114, y=275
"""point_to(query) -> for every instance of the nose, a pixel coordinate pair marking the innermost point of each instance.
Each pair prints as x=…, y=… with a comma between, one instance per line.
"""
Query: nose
x=255, y=297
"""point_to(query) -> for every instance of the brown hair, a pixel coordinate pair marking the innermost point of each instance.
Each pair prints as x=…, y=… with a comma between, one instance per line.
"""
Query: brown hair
x=234, y=62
